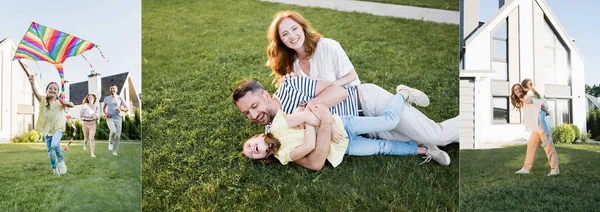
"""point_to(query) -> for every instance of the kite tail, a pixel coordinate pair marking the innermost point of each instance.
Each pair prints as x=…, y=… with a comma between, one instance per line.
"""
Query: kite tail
x=97, y=47
x=61, y=73
x=89, y=63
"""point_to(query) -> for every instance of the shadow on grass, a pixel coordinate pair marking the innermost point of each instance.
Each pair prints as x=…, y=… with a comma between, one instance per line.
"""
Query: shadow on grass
x=488, y=181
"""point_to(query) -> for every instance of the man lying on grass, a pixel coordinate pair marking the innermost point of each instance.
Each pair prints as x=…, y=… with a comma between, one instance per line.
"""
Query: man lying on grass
x=288, y=144
x=256, y=103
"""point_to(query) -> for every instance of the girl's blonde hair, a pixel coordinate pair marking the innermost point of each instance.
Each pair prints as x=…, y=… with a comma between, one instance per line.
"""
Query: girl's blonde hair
x=524, y=84
x=281, y=58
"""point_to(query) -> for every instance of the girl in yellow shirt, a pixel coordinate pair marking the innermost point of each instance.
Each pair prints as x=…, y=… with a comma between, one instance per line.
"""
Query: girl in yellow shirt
x=51, y=123
x=288, y=144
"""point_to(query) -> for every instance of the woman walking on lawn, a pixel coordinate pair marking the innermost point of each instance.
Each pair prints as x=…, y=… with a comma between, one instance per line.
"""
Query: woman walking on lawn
x=51, y=123
x=288, y=144
x=532, y=93
x=89, y=114
x=531, y=111
x=296, y=49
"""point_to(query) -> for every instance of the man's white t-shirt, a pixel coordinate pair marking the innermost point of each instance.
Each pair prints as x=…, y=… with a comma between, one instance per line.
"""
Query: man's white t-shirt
x=329, y=62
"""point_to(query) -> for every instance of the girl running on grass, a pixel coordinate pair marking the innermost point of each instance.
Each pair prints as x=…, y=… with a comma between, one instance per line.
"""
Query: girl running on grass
x=531, y=120
x=288, y=144
x=51, y=123
x=532, y=93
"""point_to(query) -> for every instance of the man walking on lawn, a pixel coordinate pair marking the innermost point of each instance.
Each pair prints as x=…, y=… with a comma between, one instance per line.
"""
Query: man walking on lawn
x=362, y=100
x=113, y=105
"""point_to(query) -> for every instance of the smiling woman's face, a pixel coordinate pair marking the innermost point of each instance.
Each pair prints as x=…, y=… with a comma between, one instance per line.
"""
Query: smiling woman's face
x=256, y=148
x=291, y=34
x=518, y=90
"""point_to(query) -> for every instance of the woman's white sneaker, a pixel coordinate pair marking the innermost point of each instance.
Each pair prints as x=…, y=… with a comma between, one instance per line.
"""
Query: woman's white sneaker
x=414, y=96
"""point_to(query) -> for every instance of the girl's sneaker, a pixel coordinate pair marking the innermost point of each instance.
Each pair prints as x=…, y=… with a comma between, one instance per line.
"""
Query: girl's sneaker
x=93, y=155
x=553, y=173
x=56, y=173
x=522, y=171
x=62, y=167
x=84, y=147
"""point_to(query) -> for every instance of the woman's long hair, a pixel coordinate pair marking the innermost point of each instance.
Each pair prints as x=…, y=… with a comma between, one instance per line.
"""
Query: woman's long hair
x=514, y=99
x=525, y=86
x=273, y=146
x=47, y=97
x=281, y=58
x=85, y=100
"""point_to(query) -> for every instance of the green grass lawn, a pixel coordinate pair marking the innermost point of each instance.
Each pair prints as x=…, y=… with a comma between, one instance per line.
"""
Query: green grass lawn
x=195, y=52
x=435, y=4
x=488, y=181
x=104, y=183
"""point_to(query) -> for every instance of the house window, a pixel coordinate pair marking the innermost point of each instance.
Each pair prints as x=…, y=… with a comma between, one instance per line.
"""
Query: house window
x=500, y=52
x=555, y=57
x=560, y=111
x=500, y=110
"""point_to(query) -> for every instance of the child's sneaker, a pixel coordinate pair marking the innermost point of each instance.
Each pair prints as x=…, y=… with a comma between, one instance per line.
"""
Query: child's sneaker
x=522, y=171
x=84, y=147
x=62, y=167
x=553, y=173
x=414, y=96
x=56, y=173
x=110, y=146
x=114, y=153
x=547, y=141
x=93, y=155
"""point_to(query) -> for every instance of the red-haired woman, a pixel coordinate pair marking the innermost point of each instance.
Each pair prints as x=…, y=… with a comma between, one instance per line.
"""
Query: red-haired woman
x=531, y=111
x=296, y=48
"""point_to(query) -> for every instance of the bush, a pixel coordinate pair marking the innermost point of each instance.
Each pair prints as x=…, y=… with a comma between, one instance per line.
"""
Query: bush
x=593, y=122
x=576, y=131
x=563, y=134
x=33, y=136
x=586, y=136
x=17, y=139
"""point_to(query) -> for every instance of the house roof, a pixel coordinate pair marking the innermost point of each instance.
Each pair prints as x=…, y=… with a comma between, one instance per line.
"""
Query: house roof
x=594, y=100
x=505, y=11
x=78, y=91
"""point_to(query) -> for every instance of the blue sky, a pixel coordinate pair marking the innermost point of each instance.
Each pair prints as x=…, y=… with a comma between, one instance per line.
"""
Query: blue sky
x=580, y=19
x=114, y=25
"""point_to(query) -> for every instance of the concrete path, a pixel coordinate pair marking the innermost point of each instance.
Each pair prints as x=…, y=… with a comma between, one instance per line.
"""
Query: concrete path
x=399, y=11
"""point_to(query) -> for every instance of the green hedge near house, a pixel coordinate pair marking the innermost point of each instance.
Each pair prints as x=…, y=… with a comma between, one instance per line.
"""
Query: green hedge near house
x=593, y=122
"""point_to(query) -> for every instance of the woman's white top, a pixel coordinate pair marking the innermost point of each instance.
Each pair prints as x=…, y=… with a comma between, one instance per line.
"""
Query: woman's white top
x=87, y=111
x=531, y=115
x=329, y=62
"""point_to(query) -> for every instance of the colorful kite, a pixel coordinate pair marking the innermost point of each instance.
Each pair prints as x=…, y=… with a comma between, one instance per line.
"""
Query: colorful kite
x=42, y=43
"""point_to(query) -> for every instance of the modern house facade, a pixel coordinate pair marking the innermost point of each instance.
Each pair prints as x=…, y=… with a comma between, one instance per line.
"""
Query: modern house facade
x=523, y=39
x=18, y=107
